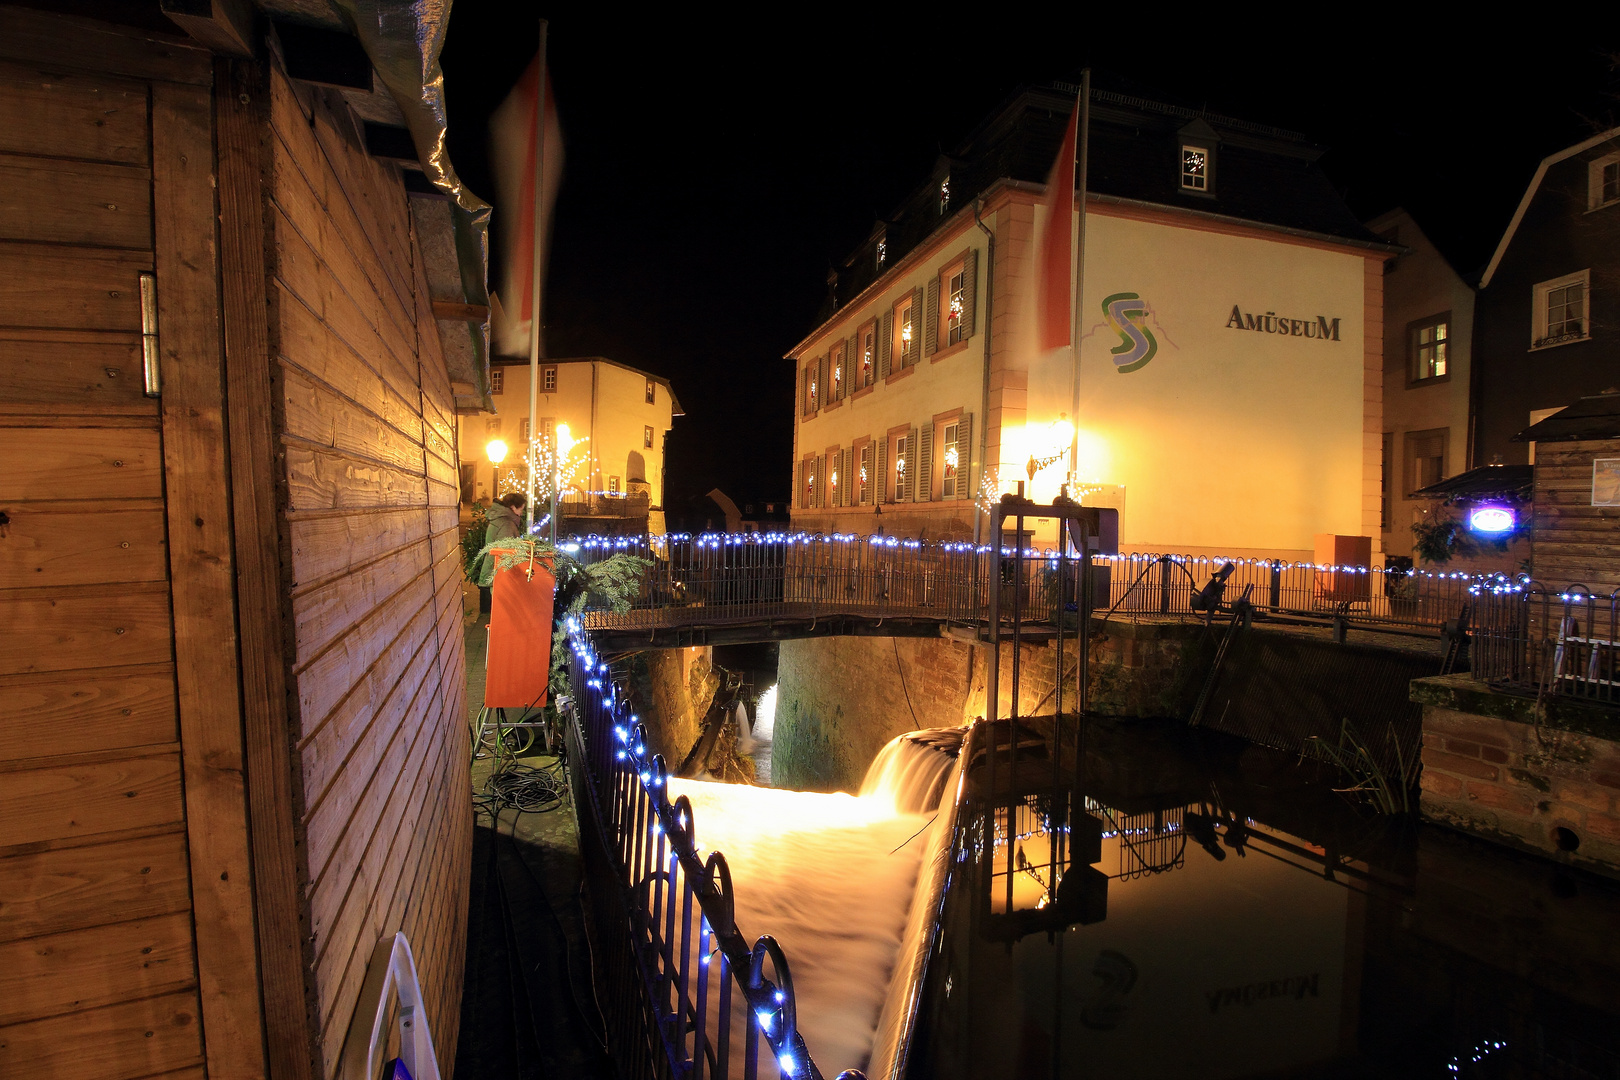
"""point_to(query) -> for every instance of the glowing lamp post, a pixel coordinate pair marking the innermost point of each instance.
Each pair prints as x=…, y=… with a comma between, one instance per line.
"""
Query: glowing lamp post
x=495, y=450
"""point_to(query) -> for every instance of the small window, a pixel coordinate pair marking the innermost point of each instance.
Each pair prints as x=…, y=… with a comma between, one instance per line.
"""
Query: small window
x=838, y=372
x=1430, y=343
x=953, y=305
x=1195, y=168
x=809, y=495
x=1561, y=311
x=548, y=378
x=497, y=380
x=863, y=477
x=613, y=485
x=898, y=489
x=868, y=356
x=1603, y=182
x=523, y=430
x=646, y=436
x=906, y=338
x=812, y=392
x=1425, y=458
x=950, y=458
x=882, y=252
x=492, y=426
x=944, y=195
x=832, y=478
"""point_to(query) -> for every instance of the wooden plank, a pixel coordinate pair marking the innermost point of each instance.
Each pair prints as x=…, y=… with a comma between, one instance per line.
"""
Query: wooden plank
x=242, y=107
x=203, y=577
x=55, y=114
x=50, y=891
x=88, y=798
x=112, y=710
x=102, y=965
x=120, y=1042
x=319, y=416
x=70, y=372
x=109, y=463
x=84, y=629
x=79, y=202
x=62, y=41
x=122, y=545
x=325, y=545
x=321, y=615
x=327, y=481
x=70, y=288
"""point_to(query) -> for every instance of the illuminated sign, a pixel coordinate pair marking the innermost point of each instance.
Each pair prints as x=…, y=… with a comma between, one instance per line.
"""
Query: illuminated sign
x=1491, y=519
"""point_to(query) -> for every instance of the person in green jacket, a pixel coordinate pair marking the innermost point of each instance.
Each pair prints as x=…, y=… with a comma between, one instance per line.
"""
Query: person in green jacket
x=505, y=520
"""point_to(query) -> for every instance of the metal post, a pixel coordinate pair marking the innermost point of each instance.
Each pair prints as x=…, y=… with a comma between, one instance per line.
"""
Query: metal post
x=534, y=286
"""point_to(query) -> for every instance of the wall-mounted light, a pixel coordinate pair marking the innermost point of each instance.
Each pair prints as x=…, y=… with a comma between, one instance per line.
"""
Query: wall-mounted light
x=1492, y=518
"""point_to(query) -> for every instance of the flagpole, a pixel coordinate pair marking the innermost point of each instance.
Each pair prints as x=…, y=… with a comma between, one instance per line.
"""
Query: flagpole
x=534, y=284
x=1082, y=146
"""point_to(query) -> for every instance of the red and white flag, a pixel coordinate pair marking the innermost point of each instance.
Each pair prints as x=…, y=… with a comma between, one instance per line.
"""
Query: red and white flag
x=512, y=132
x=1055, y=289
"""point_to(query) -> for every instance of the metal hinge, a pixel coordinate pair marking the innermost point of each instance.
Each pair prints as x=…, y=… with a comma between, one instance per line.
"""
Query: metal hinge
x=149, y=335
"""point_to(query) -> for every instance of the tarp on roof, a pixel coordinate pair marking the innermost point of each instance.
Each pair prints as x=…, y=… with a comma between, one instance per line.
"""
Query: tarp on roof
x=1596, y=416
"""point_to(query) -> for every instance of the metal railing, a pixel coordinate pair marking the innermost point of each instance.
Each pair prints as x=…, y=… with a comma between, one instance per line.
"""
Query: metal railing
x=1549, y=642
x=667, y=913
x=718, y=579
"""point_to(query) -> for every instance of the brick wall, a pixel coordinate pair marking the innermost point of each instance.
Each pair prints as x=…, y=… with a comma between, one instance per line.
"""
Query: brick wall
x=1490, y=769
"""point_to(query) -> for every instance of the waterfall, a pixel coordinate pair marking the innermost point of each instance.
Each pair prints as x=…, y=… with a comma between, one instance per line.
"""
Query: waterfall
x=745, y=737
x=910, y=771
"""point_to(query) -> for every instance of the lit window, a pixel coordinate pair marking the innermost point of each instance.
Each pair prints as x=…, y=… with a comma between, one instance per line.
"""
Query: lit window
x=613, y=485
x=1603, y=181
x=955, y=328
x=863, y=477
x=838, y=372
x=882, y=251
x=832, y=479
x=1195, y=168
x=905, y=333
x=947, y=489
x=1429, y=347
x=646, y=436
x=899, y=468
x=811, y=402
x=868, y=353
x=651, y=391
x=548, y=378
x=497, y=380
x=944, y=195
x=1560, y=311
x=810, y=483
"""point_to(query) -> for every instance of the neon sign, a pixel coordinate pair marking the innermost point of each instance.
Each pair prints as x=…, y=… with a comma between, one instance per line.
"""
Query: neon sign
x=1491, y=519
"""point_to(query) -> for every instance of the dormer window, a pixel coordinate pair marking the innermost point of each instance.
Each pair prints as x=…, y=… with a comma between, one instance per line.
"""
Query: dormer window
x=944, y=195
x=1195, y=168
x=882, y=251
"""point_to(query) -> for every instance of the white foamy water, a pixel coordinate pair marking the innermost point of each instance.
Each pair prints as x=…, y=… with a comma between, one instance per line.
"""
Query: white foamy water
x=832, y=878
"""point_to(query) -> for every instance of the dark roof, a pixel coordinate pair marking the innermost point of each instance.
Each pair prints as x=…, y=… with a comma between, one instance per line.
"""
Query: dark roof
x=1264, y=175
x=1596, y=416
x=1486, y=482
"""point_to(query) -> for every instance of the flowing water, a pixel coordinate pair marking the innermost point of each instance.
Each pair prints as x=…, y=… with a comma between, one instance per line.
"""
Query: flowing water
x=831, y=877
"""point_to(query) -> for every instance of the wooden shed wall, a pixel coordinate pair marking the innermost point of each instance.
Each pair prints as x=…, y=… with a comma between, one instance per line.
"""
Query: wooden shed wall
x=126, y=922
x=1574, y=542
x=364, y=421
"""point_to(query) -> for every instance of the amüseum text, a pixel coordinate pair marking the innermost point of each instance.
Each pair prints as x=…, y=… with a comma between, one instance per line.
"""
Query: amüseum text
x=1324, y=328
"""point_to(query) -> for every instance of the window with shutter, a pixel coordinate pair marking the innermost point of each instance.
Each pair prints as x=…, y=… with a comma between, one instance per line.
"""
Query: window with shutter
x=885, y=344
x=948, y=461
x=812, y=387
x=913, y=474
x=900, y=455
x=837, y=381
x=970, y=290
x=880, y=475
x=867, y=352
x=863, y=478
x=830, y=493
x=905, y=333
x=924, y=481
x=931, y=330
x=964, y=457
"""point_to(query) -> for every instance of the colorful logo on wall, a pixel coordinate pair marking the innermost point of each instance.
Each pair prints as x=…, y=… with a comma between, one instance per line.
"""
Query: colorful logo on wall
x=1127, y=316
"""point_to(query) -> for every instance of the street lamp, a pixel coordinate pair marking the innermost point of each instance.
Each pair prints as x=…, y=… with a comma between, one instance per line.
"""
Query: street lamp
x=496, y=450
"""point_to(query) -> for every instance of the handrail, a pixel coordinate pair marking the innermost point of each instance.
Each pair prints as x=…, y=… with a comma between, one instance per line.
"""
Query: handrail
x=392, y=968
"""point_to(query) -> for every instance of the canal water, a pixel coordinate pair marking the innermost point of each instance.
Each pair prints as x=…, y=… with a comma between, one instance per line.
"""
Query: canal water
x=1243, y=919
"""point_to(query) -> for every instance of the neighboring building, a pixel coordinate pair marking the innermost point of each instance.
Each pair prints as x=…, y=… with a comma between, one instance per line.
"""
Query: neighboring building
x=618, y=419
x=1547, y=322
x=1575, y=528
x=1232, y=324
x=1428, y=335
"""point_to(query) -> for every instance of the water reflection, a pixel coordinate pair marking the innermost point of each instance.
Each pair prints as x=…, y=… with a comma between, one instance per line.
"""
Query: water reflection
x=1193, y=907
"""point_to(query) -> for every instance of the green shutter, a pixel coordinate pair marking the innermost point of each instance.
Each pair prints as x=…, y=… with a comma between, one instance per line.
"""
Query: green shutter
x=931, y=320
x=924, y=486
x=970, y=291
x=880, y=479
x=885, y=344
x=964, y=456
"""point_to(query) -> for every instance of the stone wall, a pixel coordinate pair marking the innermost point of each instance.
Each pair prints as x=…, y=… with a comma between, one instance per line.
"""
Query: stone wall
x=839, y=700
x=1490, y=768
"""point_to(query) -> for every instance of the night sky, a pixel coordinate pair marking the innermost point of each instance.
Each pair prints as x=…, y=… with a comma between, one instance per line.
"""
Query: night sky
x=717, y=168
